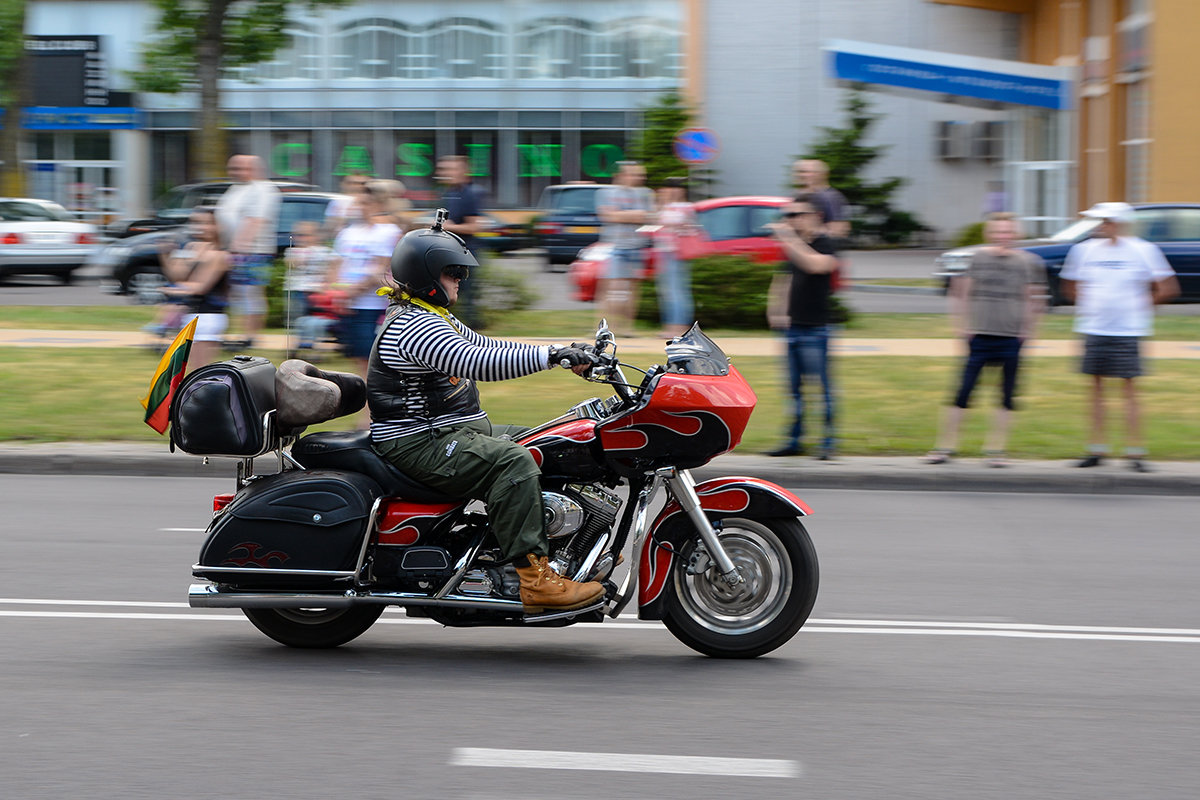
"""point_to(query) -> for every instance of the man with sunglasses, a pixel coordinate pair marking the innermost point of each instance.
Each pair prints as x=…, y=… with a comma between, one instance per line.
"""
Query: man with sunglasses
x=799, y=305
x=427, y=420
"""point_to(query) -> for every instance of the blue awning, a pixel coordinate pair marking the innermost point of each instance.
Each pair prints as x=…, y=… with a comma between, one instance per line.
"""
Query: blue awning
x=81, y=118
x=997, y=80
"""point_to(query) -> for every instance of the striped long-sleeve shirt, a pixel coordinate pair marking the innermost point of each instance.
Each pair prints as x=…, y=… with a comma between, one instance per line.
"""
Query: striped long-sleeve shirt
x=417, y=345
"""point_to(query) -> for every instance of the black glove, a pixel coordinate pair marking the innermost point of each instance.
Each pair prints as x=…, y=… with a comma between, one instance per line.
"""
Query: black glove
x=573, y=355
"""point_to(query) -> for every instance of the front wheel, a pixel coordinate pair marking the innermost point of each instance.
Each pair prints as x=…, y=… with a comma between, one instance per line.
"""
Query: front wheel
x=314, y=627
x=779, y=566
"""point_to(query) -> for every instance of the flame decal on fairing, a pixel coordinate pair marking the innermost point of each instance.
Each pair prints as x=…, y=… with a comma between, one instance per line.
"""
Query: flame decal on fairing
x=655, y=569
x=644, y=430
x=402, y=523
x=580, y=431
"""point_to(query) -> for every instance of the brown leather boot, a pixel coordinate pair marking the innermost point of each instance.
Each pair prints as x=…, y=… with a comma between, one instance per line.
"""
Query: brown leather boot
x=543, y=589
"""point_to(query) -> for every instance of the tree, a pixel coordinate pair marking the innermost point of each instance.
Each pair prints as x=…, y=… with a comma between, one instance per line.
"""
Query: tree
x=847, y=156
x=14, y=94
x=654, y=146
x=199, y=40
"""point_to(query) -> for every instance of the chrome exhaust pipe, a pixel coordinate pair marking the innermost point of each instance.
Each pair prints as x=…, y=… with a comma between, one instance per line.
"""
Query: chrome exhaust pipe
x=203, y=595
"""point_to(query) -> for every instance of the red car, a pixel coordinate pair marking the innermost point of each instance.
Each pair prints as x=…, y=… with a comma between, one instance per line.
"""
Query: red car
x=732, y=225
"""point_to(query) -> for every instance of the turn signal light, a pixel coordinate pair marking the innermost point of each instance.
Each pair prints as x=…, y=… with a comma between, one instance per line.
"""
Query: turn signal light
x=220, y=501
x=10, y=238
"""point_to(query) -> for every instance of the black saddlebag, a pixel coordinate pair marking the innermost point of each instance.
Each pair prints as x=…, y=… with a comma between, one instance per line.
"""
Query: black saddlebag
x=224, y=409
x=300, y=529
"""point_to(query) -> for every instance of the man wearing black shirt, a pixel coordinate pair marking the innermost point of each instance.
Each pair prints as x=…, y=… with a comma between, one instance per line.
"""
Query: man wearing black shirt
x=463, y=201
x=799, y=305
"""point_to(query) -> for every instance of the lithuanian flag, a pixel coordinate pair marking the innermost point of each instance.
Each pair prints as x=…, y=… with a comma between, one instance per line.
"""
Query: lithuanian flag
x=167, y=377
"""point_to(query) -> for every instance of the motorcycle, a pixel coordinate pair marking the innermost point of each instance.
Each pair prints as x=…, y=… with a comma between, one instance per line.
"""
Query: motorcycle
x=315, y=551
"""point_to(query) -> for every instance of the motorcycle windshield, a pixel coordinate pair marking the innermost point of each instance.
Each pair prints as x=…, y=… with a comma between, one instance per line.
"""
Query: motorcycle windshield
x=693, y=353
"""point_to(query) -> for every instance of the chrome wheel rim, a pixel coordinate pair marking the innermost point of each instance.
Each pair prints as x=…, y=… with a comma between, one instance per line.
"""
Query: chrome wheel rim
x=146, y=287
x=763, y=561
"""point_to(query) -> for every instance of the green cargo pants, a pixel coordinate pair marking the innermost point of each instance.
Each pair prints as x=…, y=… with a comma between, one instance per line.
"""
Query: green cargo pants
x=469, y=461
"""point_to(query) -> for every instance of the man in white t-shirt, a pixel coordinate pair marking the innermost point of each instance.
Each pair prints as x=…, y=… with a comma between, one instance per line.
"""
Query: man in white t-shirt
x=1115, y=281
x=247, y=216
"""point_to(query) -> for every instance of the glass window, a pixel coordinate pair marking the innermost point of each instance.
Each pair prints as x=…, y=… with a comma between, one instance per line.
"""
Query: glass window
x=1168, y=224
x=299, y=58
x=93, y=146
x=643, y=47
x=553, y=48
x=43, y=146
x=539, y=164
x=760, y=217
x=13, y=211
x=725, y=222
x=464, y=47
x=376, y=48
x=300, y=209
x=353, y=152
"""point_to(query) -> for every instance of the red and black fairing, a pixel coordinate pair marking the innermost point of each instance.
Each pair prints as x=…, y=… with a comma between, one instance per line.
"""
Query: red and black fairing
x=720, y=498
x=682, y=421
x=567, y=450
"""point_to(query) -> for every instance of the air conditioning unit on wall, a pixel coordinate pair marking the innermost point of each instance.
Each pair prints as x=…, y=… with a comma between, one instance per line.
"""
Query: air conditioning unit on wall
x=952, y=140
x=989, y=140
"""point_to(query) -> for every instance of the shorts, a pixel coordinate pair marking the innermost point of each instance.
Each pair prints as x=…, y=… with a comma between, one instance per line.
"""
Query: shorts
x=623, y=264
x=984, y=349
x=358, y=331
x=247, y=300
x=1112, y=356
x=209, y=327
x=250, y=269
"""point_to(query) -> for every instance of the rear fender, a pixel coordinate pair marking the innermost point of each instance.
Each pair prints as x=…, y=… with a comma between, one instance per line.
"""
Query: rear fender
x=720, y=498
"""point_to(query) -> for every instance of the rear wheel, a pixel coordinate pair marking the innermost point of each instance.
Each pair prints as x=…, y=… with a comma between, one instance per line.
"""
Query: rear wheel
x=779, y=566
x=314, y=627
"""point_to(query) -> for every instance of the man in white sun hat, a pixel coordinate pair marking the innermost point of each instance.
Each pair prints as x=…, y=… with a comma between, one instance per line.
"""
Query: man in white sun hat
x=1115, y=280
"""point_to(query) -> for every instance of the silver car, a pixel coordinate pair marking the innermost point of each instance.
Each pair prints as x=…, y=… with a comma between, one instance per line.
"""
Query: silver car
x=38, y=237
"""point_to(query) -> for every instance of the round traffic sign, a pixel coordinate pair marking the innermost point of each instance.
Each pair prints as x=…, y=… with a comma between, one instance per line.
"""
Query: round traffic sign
x=696, y=145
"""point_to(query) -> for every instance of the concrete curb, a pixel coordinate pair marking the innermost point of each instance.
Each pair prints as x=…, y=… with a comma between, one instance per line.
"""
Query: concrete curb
x=879, y=288
x=904, y=473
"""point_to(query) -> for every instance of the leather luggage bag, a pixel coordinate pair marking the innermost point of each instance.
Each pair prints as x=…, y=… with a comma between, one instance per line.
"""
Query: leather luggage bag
x=226, y=409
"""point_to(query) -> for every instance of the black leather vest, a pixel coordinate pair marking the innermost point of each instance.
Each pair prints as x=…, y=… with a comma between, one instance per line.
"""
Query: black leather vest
x=393, y=395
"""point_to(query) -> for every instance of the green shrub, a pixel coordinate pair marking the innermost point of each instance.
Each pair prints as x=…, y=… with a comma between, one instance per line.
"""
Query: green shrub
x=728, y=292
x=971, y=234
x=275, y=306
x=501, y=291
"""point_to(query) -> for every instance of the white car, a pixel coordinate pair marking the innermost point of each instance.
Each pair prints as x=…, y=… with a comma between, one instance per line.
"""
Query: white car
x=38, y=237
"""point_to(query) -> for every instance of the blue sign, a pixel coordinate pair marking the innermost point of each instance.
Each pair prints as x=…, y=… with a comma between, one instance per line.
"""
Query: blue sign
x=1000, y=87
x=696, y=145
x=82, y=118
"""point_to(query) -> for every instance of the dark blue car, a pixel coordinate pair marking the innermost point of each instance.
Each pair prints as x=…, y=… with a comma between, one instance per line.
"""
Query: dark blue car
x=1174, y=227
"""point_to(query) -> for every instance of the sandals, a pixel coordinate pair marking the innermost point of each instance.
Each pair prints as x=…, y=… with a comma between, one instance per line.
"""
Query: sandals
x=996, y=458
x=938, y=456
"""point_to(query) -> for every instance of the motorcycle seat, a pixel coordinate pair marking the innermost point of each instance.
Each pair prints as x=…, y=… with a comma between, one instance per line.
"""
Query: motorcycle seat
x=352, y=451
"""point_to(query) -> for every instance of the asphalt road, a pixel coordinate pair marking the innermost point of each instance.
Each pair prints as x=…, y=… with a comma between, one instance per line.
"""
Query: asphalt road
x=963, y=646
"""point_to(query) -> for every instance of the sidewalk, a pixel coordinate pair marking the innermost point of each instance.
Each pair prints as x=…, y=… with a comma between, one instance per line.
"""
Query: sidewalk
x=904, y=473
x=733, y=346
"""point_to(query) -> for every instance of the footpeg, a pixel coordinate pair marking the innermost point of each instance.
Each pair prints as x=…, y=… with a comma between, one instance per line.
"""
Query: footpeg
x=552, y=615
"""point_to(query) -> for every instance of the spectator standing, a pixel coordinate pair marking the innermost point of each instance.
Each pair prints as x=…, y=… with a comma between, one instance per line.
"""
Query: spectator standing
x=995, y=307
x=811, y=177
x=246, y=215
x=463, y=200
x=1115, y=281
x=199, y=272
x=364, y=252
x=342, y=209
x=676, y=218
x=799, y=305
x=308, y=264
x=623, y=208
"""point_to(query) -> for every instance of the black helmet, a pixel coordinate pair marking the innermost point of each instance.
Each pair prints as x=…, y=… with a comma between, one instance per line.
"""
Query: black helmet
x=423, y=255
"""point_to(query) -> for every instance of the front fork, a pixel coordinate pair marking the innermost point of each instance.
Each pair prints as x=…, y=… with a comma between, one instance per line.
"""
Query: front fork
x=683, y=487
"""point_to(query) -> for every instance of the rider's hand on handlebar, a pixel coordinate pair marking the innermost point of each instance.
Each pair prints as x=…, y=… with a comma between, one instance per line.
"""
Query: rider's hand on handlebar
x=577, y=357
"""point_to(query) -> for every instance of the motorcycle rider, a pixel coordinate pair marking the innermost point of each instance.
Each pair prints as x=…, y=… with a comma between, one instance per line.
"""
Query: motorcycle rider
x=426, y=418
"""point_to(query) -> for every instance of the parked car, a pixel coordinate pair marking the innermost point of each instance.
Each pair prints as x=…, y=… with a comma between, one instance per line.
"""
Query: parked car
x=497, y=235
x=732, y=226
x=172, y=209
x=1174, y=227
x=38, y=237
x=134, y=264
x=566, y=220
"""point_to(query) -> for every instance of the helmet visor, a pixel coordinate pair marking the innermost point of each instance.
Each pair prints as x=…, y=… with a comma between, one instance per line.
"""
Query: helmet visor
x=456, y=272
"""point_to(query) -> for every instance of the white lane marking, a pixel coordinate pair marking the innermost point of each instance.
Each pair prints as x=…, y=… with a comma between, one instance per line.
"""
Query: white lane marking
x=896, y=627
x=184, y=530
x=624, y=762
